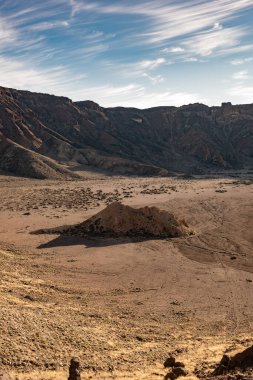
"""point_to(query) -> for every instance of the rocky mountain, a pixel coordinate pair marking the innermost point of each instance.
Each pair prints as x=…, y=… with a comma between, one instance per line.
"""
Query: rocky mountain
x=45, y=136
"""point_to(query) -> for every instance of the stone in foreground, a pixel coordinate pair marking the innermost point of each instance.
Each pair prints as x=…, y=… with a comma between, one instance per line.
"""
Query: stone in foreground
x=74, y=370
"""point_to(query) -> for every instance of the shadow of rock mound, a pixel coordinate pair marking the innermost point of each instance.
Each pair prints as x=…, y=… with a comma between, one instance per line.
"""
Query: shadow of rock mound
x=118, y=220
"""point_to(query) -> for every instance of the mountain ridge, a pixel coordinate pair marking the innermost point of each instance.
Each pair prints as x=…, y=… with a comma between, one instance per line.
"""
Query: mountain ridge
x=46, y=136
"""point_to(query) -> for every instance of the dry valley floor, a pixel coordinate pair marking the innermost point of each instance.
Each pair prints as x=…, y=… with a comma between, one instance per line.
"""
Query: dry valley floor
x=123, y=305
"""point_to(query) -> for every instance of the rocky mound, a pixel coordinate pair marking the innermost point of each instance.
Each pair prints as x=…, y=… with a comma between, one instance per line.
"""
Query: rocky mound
x=118, y=220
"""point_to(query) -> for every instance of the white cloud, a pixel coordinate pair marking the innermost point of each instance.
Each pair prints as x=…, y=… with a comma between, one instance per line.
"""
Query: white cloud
x=28, y=13
x=151, y=64
x=154, y=79
x=217, y=26
x=191, y=59
x=92, y=50
x=241, y=75
x=214, y=41
x=171, y=20
x=174, y=49
x=189, y=30
x=80, y=7
x=241, y=94
x=8, y=35
x=19, y=40
x=135, y=96
x=60, y=81
x=136, y=69
x=24, y=76
x=40, y=27
x=234, y=50
x=241, y=61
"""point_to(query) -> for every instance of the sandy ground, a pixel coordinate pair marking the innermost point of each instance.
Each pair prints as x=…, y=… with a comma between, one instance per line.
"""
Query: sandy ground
x=122, y=306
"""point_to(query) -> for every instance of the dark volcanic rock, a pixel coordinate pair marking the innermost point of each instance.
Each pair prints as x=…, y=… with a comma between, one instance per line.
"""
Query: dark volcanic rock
x=179, y=364
x=74, y=370
x=170, y=376
x=225, y=360
x=175, y=373
x=241, y=361
x=169, y=362
x=43, y=136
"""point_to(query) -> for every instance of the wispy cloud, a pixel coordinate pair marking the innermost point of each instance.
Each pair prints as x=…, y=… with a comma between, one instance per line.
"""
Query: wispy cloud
x=31, y=13
x=170, y=20
x=22, y=75
x=8, y=34
x=173, y=49
x=118, y=52
x=241, y=94
x=20, y=31
x=154, y=79
x=192, y=59
x=235, y=50
x=93, y=50
x=214, y=41
x=138, y=69
x=241, y=61
x=241, y=75
x=132, y=95
x=49, y=25
x=151, y=64
x=59, y=81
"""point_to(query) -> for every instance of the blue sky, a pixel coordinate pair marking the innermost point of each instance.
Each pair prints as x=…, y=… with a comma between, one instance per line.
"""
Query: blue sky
x=131, y=53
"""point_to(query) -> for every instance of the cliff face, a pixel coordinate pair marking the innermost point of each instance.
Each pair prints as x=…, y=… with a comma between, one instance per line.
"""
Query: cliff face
x=43, y=136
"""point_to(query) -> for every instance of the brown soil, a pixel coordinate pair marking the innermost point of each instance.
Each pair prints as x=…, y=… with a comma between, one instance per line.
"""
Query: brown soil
x=121, y=305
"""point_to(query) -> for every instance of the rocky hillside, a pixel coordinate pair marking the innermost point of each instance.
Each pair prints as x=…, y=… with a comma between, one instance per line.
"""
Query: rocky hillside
x=45, y=136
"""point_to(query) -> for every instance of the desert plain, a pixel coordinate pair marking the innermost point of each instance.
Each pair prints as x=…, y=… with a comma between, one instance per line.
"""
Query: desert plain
x=123, y=305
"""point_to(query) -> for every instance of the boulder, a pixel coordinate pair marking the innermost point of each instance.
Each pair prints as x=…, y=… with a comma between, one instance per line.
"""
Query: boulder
x=169, y=362
x=179, y=371
x=243, y=359
x=179, y=364
x=74, y=369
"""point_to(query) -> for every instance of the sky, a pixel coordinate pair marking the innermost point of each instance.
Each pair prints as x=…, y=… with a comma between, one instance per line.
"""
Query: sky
x=129, y=53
